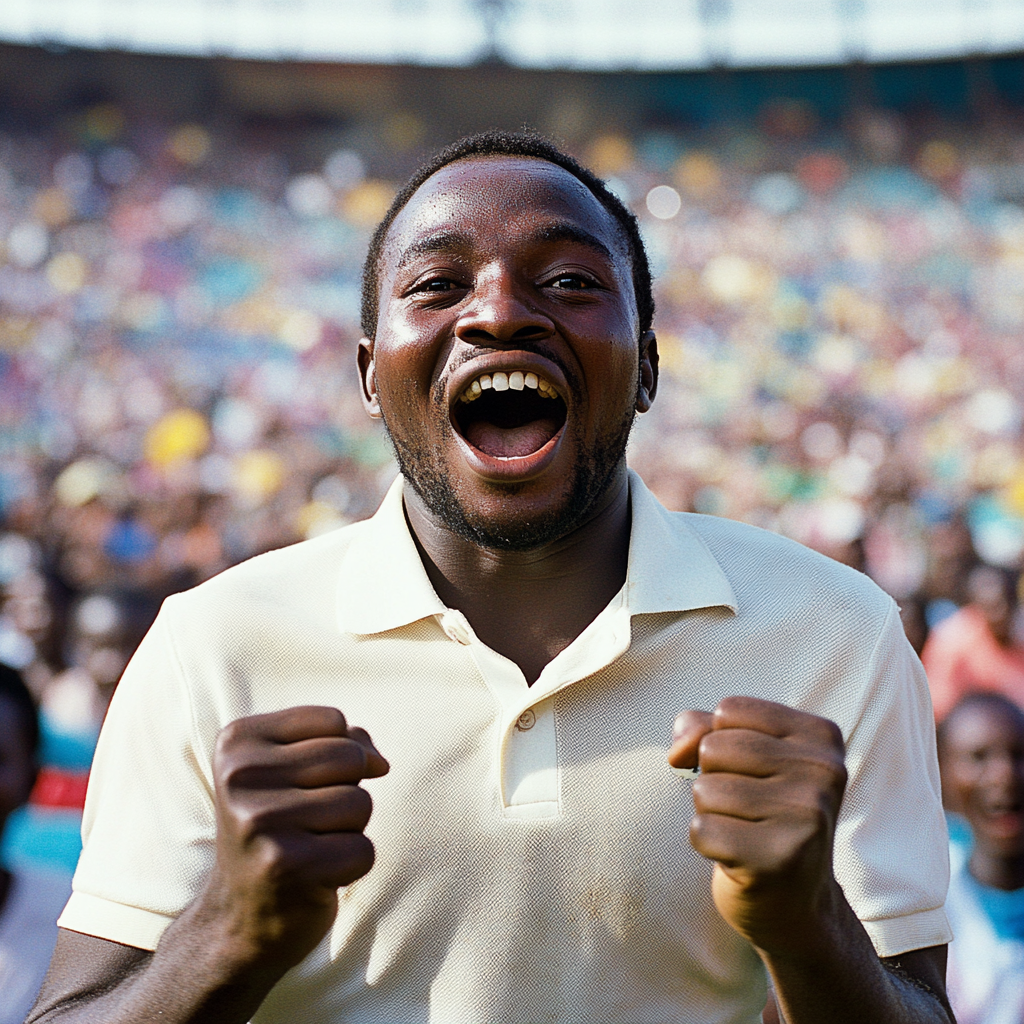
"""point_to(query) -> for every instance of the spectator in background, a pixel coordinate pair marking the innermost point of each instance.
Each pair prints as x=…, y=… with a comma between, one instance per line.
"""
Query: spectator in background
x=981, y=756
x=975, y=648
x=30, y=900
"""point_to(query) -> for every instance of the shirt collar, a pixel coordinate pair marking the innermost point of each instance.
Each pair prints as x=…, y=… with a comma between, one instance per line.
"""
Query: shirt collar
x=384, y=586
x=382, y=583
x=670, y=568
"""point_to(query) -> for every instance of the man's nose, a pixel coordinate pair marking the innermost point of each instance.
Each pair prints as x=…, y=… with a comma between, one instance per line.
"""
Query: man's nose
x=500, y=312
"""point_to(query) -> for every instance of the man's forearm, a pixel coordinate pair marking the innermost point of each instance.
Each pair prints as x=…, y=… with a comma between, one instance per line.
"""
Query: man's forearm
x=840, y=980
x=194, y=977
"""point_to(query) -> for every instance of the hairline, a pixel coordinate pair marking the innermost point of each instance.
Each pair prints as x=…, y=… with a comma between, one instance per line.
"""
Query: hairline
x=635, y=252
x=619, y=229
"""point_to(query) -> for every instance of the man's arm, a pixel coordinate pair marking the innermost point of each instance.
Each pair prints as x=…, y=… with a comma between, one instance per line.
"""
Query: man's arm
x=772, y=779
x=290, y=820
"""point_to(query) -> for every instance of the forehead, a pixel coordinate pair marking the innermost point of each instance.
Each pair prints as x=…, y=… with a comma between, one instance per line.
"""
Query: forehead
x=490, y=196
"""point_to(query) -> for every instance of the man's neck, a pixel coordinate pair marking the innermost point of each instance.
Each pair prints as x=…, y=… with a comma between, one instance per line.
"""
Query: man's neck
x=529, y=605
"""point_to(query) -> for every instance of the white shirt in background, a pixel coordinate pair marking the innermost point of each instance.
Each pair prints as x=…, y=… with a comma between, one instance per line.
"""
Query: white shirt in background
x=28, y=931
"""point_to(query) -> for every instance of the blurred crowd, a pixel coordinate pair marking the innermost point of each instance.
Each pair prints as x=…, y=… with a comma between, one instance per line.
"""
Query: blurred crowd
x=839, y=321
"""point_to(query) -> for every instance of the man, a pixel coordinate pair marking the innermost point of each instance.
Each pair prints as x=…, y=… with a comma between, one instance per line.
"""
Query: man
x=517, y=627
x=981, y=755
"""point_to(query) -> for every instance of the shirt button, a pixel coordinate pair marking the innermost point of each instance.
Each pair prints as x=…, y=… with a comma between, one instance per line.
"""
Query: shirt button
x=527, y=720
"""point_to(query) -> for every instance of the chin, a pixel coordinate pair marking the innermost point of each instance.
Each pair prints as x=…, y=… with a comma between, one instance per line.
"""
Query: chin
x=508, y=517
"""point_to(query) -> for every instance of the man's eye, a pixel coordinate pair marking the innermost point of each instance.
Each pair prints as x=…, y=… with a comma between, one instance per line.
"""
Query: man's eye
x=573, y=282
x=437, y=284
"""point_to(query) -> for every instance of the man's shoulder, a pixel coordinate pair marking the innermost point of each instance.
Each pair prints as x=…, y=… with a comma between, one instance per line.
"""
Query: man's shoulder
x=307, y=571
x=762, y=565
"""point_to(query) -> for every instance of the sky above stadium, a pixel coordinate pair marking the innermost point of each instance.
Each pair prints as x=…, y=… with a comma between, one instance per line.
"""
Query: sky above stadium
x=581, y=34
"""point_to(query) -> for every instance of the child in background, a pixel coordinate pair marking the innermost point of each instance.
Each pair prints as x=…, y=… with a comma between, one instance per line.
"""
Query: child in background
x=30, y=900
x=981, y=754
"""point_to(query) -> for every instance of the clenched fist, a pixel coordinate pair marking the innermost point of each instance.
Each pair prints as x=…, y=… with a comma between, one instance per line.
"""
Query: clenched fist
x=767, y=798
x=290, y=820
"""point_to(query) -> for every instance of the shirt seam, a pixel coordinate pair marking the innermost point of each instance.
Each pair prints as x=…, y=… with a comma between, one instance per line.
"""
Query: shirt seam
x=871, y=669
x=179, y=672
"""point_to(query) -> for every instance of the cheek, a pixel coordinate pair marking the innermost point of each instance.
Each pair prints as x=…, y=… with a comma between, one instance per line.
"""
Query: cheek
x=404, y=369
x=618, y=369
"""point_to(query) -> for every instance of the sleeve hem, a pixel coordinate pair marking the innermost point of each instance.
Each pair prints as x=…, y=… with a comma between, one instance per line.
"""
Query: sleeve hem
x=894, y=935
x=116, y=922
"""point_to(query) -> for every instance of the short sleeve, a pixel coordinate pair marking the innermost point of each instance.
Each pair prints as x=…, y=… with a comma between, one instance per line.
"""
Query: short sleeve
x=148, y=828
x=891, y=850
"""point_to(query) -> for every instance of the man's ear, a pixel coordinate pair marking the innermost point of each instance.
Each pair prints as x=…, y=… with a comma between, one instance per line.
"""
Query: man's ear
x=648, y=386
x=367, y=378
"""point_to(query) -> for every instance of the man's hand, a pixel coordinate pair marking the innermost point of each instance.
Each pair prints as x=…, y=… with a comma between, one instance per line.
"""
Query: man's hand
x=290, y=820
x=767, y=799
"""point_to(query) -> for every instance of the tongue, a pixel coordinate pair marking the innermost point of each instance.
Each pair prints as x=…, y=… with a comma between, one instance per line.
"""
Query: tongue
x=511, y=442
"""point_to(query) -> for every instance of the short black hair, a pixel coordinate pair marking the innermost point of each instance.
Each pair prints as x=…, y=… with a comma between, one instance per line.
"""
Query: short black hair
x=982, y=699
x=13, y=689
x=502, y=143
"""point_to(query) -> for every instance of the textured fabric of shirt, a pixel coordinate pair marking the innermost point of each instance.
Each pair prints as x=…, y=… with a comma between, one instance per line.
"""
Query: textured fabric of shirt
x=532, y=854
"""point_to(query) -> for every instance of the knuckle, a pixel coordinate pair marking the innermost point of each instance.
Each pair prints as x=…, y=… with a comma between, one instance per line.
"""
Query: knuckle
x=710, y=746
x=334, y=717
x=697, y=829
x=276, y=860
x=699, y=789
x=225, y=744
x=232, y=773
x=360, y=857
x=359, y=734
x=835, y=734
x=839, y=775
x=362, y=805
x=727, y=706
x=246, y=823
x=821, y=818
x=230, y=732
x=354, y=755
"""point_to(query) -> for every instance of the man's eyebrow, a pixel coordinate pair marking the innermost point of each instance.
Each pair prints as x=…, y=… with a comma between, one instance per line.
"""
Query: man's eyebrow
x=565, y=231
x=455, y=241
x=443, y=241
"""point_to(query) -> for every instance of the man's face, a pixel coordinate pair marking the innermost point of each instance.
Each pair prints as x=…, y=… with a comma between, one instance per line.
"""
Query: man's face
x=506, y=363
x=983, y=775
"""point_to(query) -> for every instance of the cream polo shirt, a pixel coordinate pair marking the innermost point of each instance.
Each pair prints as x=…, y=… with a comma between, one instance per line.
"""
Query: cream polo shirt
x=532, y=854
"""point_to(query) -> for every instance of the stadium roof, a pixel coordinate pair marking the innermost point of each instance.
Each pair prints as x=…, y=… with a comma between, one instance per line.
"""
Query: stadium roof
x=576, y=34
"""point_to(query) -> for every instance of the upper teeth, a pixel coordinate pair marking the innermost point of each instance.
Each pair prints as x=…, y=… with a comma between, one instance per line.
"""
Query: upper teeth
x=514, y=381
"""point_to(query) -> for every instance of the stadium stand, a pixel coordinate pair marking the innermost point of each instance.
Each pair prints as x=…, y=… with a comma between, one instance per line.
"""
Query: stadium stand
x=840, y=285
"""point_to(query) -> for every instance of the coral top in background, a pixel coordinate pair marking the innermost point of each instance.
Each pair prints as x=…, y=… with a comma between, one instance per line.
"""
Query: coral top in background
x=962, y=654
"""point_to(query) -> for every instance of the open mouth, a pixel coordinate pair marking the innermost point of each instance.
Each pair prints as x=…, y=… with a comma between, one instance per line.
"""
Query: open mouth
x=509, y=415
